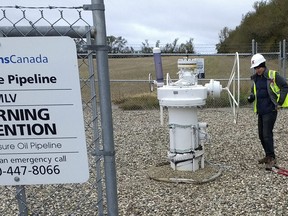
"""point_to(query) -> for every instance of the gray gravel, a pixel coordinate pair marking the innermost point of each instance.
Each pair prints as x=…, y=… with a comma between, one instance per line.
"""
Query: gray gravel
x=244, y=188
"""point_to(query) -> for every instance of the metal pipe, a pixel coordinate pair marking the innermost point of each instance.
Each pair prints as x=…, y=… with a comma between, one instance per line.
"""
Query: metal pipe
x=105, y=107
x=284, y=58
x=158, y=66
x=73, y=32
x=21, y=197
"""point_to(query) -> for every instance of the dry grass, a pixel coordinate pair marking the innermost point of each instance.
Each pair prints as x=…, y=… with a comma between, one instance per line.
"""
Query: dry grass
x=122, y=71
x=139, y=68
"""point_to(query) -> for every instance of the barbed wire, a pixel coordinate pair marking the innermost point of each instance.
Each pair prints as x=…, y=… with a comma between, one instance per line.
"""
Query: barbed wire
x=48, y=7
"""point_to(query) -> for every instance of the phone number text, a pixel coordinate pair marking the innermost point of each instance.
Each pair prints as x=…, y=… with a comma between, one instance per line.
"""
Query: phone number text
x=35, y=170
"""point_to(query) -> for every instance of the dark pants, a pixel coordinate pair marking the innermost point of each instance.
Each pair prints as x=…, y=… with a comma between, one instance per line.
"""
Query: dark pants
x=265, y=129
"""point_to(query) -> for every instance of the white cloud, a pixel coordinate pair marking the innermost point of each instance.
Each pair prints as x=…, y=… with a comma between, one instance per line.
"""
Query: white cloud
x=164, y=20
x=167, y=20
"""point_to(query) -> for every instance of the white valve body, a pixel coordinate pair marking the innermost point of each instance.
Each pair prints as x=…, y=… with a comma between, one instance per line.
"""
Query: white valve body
x=186, y=151
x=185, y=132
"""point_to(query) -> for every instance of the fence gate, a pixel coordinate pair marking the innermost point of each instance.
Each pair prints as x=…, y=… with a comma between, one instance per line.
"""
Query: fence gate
x=98, y=196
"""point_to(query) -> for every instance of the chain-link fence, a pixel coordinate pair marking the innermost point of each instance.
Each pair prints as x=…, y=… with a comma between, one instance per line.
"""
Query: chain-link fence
x=98, y=196
x=130, y=86
x=130, y=76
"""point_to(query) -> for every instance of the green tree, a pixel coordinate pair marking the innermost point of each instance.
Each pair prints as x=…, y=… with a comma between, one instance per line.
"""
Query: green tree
x=173, y=47
x=267, y=24
x=145, y=48
x=170, y=47
x=117, y=44
x=223, y=35
x=187, y=47
x=157, y=43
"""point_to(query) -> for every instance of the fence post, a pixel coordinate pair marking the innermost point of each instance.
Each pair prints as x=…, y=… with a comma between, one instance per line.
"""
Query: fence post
x=105, y=106
x=280, y=58
x=21, y=198
x=254, y=47
x=284, y=58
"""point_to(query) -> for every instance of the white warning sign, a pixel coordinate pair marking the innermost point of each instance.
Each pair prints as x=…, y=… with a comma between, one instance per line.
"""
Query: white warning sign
x=42, y=135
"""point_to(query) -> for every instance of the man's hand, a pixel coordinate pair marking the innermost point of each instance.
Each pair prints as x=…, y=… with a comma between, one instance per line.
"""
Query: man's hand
x=251, y=98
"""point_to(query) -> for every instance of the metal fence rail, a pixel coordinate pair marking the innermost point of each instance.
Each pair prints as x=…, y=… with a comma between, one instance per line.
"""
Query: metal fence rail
x=98, y=196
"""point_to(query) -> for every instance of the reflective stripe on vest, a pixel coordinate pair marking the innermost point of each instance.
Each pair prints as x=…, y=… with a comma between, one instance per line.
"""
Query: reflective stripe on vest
x=255, y=101
x=274, y=87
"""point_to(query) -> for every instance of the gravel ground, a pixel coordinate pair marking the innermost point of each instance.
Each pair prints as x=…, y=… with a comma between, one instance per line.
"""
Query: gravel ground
x=243, y=188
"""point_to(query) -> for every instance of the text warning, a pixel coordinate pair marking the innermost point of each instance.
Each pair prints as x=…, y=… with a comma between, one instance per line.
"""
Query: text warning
x=42, y=132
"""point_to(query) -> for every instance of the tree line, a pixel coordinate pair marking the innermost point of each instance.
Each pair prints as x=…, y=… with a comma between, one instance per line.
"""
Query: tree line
x=119, y=45
x=267, y=25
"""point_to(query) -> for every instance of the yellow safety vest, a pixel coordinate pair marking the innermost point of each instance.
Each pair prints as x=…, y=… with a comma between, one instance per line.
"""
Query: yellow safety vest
x=274, y=88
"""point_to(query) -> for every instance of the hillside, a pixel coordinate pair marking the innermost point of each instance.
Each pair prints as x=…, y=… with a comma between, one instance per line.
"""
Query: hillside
x=268, y=25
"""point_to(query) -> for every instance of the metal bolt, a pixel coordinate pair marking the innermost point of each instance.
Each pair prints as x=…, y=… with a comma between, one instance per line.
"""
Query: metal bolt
x=17, y=179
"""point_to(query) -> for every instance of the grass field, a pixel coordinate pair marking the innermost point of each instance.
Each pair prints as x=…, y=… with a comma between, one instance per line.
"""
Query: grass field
x=129, y=77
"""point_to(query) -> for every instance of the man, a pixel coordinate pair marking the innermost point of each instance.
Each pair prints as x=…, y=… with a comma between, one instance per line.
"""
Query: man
x=269, y=92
